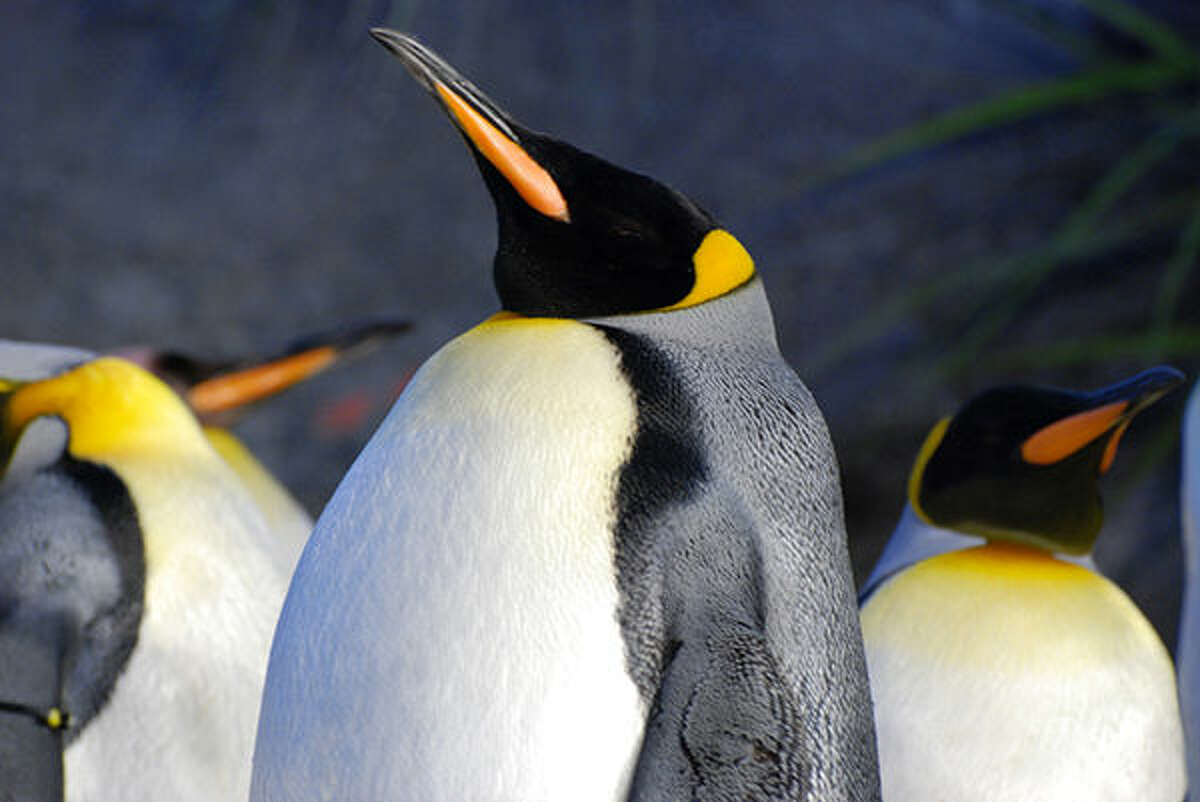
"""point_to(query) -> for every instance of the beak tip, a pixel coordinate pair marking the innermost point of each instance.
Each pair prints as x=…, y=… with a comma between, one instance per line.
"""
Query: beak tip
x=1164, y=379
x=384, y=36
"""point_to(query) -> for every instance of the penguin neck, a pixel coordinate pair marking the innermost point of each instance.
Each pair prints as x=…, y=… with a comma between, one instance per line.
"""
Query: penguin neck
x=1002, y=556
x=915, y=540
x=171, y=493
x=739, y=319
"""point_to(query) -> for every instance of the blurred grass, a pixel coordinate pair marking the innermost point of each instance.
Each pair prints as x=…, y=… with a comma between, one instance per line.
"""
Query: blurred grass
x=1165, y=66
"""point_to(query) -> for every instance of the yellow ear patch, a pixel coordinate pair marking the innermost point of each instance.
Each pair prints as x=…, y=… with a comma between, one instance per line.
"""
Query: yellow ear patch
x=531, y=181
x=1064, y=437
x=109, y=405
x=932, y=441
x=721, y=264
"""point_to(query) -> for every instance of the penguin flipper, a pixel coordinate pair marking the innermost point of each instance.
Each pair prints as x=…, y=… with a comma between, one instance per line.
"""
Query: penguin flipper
x=1188, y=656
x=34, y=629
x=722, y=726
x=31, y=751
x=59, y=593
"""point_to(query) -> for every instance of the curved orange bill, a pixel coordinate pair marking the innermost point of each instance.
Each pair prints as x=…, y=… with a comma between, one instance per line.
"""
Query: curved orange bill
x=231, y=390
x=485, y=125
x=1064, y=437
x=528, y=178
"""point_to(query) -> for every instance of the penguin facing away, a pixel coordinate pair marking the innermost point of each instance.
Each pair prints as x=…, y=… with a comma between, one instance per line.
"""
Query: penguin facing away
x=1013, y=670
x=219, y=392
x=1188, y=651
x=139, y=572
x=596, y=549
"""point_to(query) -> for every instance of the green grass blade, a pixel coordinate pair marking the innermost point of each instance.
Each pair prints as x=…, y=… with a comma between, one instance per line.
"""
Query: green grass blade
x=989, y=273
x=1179, y=343
x=1079, y=226
x=1087, y=49
x=1151, y=32
x=1176, y=274
x=1006, y=108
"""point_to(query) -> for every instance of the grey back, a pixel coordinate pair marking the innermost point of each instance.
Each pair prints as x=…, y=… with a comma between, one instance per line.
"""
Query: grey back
x=740, y=622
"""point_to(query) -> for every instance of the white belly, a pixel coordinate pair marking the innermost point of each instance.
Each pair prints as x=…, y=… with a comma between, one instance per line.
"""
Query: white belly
x=180, y=722
x=451, y=631
x=998, y=679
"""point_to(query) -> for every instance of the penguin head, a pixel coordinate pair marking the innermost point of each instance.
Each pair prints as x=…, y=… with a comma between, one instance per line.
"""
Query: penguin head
x=578, y=236
x=110, y=406
x=1021, y=463
x=219, y=392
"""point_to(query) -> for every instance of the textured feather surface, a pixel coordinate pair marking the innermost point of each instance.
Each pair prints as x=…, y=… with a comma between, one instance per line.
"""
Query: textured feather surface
x=454, y=629
x=1002, y=676
x=747, y=588
x=180, y=723
x=451, y=630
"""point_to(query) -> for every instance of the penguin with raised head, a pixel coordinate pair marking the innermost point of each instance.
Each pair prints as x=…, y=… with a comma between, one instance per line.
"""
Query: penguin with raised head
x=1003, y=666
x=141, y=591
x=1188, y=651
x=596, y=549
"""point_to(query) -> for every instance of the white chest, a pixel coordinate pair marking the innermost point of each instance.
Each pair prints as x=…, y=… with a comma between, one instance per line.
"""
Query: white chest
x=1006, y=682
x=451, y=631
x=180, y=722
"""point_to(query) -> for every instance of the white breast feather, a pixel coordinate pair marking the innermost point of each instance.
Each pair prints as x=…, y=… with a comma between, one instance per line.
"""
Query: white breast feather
x=988, y=695
x=181, y=720
x=451, y=632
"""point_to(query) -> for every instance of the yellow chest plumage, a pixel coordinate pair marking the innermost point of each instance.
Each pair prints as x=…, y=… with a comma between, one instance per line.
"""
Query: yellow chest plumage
x=1002, y=673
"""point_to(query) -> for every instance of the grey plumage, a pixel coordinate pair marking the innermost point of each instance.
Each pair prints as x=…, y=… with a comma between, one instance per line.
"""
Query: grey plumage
x=738, y=599
x=56, y=572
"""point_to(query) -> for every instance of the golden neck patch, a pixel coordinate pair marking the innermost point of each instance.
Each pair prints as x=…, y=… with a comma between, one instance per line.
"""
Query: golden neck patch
x=932, y=441
x=109, y=406
x=721, y=265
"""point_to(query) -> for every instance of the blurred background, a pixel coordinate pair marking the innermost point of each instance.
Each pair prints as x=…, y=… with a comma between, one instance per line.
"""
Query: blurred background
x=940, y=195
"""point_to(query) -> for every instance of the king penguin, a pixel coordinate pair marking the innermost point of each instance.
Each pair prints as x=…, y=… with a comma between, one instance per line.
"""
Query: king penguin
x=596, y=549
x=1188, y=651
x=220, y=391
x=140, y=594
x=1003, y=666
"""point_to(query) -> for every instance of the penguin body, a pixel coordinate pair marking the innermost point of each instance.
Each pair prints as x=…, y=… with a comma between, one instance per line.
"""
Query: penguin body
x=548, y=565
x=485, y=567
x=1041, y=681
x=1007, y=669
x=285, y=517
x=596, y=550
x=1188, y=652
x=220, y=391
x=162, y=679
